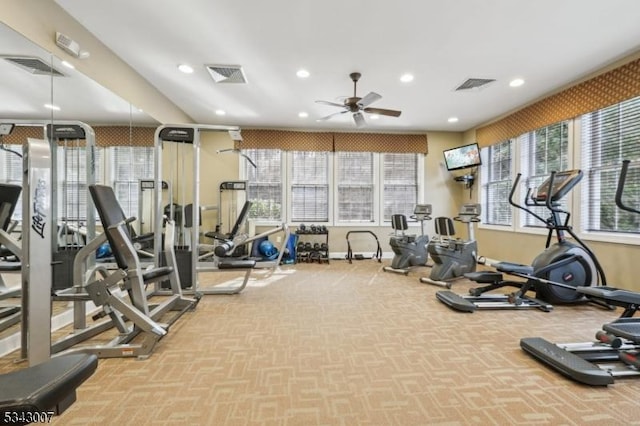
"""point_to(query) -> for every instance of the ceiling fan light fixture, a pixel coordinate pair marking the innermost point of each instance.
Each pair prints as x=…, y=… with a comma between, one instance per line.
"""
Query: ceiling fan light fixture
x=356, y=105
x=303, y=114
x=374, y=116
x=516, y=82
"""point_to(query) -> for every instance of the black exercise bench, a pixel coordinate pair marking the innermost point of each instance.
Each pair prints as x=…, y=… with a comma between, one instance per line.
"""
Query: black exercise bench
x=34, y=394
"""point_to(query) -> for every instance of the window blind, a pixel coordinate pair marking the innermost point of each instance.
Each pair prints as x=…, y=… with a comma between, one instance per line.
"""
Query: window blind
x=310, y=186
x=72, y=181
x=130, y=164
x=265, y=183
x=496, y=181
x=609, y=136
x=355, y=186
x=400, y=184
x=542, y=151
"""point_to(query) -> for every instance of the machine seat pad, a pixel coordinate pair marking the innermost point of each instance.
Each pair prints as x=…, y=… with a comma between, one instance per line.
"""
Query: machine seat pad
x=484, y=277
x=155, y=273
x=509, y=267
x=237, y=264
x=10, y=266
x=45, y=386
x=216, y=235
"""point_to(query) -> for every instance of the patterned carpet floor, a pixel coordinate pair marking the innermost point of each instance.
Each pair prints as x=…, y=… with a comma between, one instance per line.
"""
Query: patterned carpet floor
x=349, y=344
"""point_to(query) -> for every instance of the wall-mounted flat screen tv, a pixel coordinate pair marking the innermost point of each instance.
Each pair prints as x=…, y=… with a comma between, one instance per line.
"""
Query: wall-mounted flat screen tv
x=462, y=157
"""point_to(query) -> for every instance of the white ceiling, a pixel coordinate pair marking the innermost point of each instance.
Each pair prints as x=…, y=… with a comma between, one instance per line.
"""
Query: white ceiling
x=549, y=43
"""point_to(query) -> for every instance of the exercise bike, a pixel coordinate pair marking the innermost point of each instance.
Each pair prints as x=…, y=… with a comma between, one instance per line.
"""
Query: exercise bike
x=409, y=250
x=616, y=351
x=554, y=274
x=453, y=257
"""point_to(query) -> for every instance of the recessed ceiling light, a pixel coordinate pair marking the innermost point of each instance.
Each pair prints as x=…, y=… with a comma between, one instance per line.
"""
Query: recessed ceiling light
x=406, y=78
x=302, y=73
x=303, y=114
x=53, y=107
x=374, y=116
x=453, y=119
x=517, y=82
x=187, y=69
x=68, y=64
x=220, y=112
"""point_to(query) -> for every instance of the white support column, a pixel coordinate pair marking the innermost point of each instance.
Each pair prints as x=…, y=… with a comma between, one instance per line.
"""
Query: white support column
x=36, y=254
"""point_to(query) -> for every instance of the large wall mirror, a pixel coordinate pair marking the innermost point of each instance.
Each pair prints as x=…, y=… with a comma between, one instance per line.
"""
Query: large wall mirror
x=33, y=78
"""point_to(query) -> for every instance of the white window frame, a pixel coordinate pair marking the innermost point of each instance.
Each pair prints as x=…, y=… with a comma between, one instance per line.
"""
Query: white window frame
x=244, y=173
x=375, y=192
x=519, y=216
x=582, y=197
x=288, y=183
x=484, y=153
x=287, y=159
x=112, y=178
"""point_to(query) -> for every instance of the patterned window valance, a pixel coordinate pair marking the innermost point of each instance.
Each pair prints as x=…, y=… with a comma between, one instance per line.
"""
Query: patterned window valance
x=324, y=141
x=606, y=89
x=124, y=136
x=105, y=135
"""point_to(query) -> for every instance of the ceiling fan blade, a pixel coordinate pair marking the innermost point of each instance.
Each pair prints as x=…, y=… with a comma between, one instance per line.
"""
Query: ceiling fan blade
x=332, y=115
x=368, y=99
x=359, y=119
x=381, y=111
x=330, y=103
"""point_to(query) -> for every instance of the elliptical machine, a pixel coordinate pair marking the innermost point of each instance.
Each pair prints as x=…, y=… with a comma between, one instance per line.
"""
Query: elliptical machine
x=409, y=250
x=554, y=274
x=616, y=350
x=453, y=257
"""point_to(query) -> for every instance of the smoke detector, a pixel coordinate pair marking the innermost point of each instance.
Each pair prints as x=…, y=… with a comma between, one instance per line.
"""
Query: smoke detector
x=70, y=46
x=227, y=73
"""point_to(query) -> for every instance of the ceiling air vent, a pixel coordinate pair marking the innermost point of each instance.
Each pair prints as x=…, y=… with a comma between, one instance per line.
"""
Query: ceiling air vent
x=33, y=65
x=226, y=73
x=474, y=83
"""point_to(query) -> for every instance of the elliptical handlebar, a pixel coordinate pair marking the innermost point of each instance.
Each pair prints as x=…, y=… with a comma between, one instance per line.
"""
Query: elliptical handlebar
x=526, y=198
x=620, y=189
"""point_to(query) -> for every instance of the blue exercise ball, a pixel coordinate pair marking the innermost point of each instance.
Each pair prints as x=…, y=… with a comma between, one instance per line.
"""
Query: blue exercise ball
x=268, y=250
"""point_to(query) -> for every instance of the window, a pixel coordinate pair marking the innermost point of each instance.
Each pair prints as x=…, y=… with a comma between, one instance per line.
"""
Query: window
x=496, y=182
x=309, y=186
x=346, y=188
x=355, y=177
x=265, y=183
x=11, y=172
x=609, y=136
x=400, y=184
x=542, y=151
x=72, y=182
x=130, y=164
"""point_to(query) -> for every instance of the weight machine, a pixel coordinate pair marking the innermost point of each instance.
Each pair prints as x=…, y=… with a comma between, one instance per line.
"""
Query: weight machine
x=188, y=137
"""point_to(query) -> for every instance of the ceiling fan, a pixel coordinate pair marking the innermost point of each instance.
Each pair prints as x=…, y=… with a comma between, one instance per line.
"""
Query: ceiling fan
x=356, y=106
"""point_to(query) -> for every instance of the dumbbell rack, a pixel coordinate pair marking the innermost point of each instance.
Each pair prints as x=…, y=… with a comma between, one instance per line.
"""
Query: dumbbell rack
x=313, y=245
